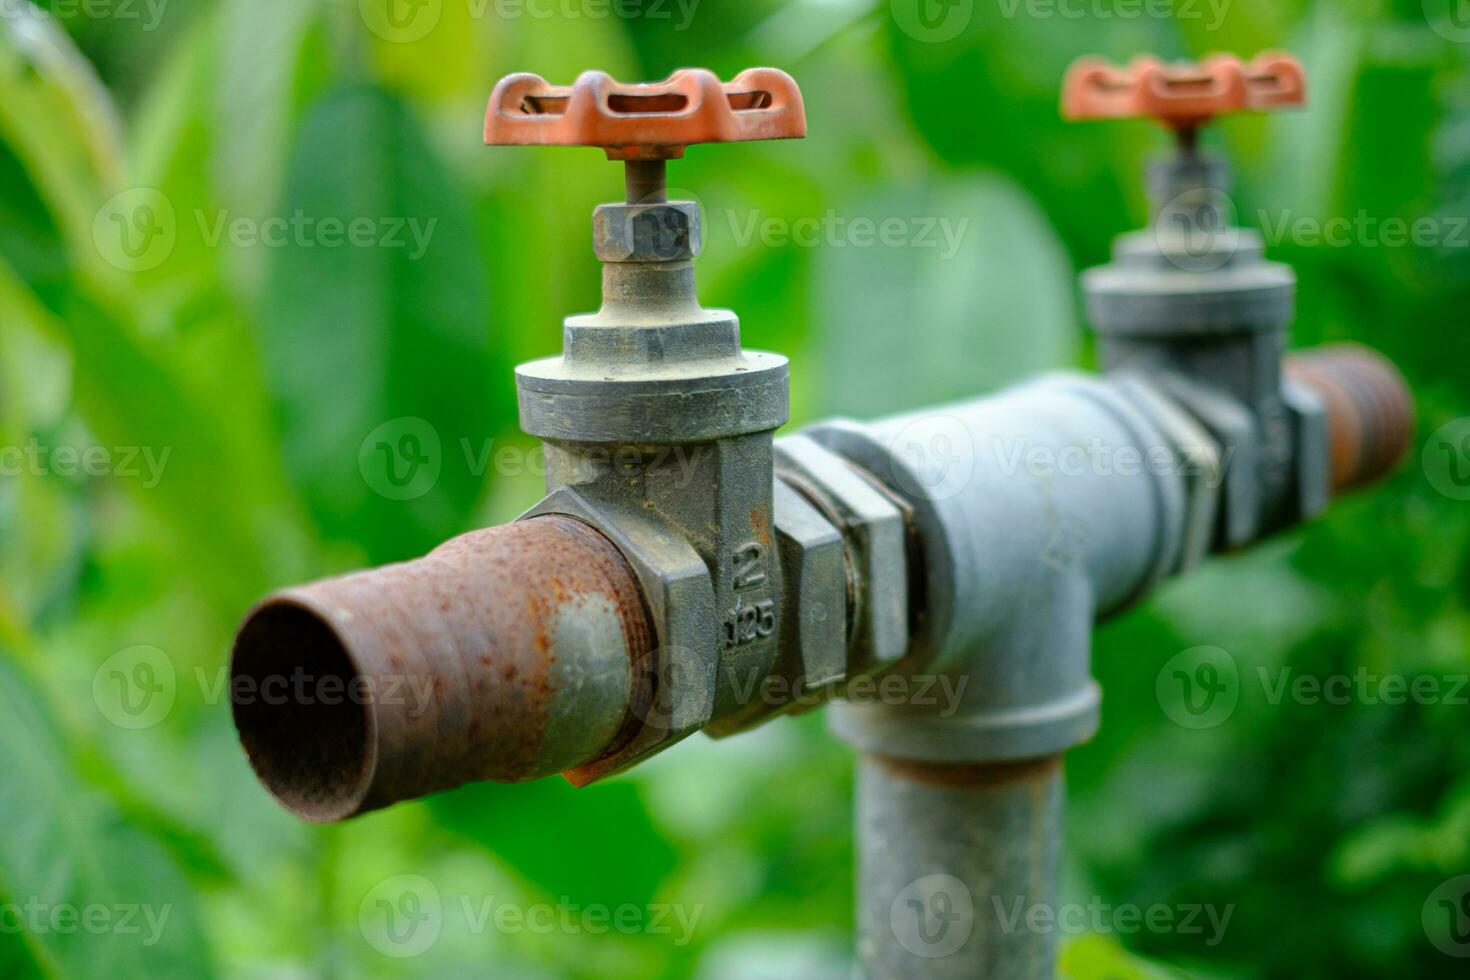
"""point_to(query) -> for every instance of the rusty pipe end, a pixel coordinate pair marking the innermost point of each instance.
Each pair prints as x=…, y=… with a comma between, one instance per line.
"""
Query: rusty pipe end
x=1370, y=410
x=507, y=654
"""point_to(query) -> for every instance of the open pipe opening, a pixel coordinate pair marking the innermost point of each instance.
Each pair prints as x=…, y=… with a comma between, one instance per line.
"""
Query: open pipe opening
x=301, y=712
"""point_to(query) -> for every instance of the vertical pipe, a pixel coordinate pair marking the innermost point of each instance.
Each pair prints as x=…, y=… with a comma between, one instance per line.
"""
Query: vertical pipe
x=954, y=863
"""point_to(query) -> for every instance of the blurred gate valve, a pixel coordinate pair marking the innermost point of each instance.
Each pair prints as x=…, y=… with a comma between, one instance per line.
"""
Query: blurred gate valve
x=1191, y=302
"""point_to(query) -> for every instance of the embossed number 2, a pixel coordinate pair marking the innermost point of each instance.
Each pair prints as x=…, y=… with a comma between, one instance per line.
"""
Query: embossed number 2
x=748, y=570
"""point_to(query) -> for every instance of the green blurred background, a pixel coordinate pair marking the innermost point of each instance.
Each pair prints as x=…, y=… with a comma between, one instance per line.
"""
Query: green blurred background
x=224, y=388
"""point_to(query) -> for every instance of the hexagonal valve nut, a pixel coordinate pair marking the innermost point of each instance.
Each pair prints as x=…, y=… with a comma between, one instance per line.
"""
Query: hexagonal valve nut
x=668, y=231
x=876, y=534
x=814, y=616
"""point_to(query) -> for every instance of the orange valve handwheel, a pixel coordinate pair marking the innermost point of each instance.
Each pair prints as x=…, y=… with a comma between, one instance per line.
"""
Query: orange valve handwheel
x=1182, y=95
x=645, y=122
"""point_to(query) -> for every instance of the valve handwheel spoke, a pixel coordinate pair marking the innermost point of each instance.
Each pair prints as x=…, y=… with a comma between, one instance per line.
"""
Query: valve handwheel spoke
x=1182, y=95
x=647, y=121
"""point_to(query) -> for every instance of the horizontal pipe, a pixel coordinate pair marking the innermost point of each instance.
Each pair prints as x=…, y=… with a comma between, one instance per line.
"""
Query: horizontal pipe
x=1370, y=410
x=507, y=654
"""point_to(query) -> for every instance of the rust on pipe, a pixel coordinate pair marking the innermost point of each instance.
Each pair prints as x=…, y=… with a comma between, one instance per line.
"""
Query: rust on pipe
x=1370, y=410
x=506, y=654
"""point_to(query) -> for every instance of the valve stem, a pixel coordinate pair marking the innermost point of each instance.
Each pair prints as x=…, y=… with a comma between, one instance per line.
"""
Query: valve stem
x=646, y=181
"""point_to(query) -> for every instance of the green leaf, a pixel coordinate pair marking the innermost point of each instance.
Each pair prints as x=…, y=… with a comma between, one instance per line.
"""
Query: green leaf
x=136, y=398
x=96, y=897
x=59, y=119
x=971, y=291
x=1092, y=957
x=377, y=350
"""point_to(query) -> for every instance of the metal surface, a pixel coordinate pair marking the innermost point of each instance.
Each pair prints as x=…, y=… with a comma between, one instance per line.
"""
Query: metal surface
x=1182, y=95
x=876, y=532
x=645, y=122
x=1061, y=501
x=658, y=423
x=957, y=870
x=506, y=654
x=1192, y=302
x=736, y=578
x=1370, y=410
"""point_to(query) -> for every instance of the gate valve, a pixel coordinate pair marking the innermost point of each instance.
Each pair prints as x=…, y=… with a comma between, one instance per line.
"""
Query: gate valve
x=1192, y=300
x=658, y=424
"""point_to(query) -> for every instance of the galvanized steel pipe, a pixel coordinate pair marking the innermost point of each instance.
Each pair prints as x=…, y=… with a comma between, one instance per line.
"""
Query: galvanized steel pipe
x=507, y=654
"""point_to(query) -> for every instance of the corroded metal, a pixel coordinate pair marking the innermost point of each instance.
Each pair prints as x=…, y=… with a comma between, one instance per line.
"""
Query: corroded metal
x=1370, y=410
x=506, y=654
x=658, y=422
x=957, y=865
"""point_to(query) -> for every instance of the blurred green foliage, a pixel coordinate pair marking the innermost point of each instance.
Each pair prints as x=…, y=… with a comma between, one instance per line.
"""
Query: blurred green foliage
x=256, y=371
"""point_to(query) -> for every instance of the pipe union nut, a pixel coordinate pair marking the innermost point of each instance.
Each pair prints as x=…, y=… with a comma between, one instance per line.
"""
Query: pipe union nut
x=664, y=232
